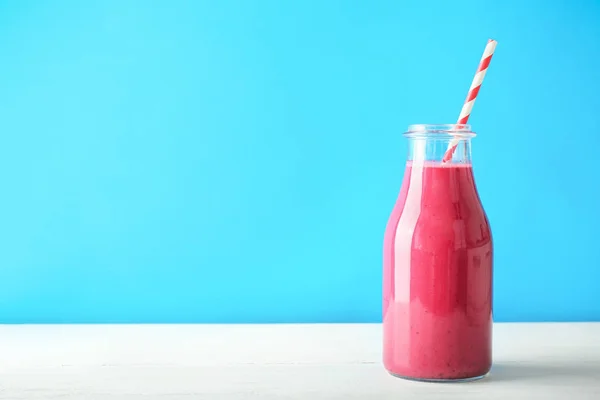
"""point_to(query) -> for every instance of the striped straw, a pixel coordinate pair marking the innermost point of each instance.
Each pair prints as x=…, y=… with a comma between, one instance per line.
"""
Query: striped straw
x=472, y=96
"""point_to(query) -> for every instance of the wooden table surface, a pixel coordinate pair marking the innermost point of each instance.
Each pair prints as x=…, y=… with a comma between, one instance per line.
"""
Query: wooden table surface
x=309, y=362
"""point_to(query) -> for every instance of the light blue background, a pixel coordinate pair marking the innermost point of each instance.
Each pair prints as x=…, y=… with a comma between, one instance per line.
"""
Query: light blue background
x=236, y=161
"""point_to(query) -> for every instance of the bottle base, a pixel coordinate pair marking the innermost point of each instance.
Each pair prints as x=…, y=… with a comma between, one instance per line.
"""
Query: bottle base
x=440, y=380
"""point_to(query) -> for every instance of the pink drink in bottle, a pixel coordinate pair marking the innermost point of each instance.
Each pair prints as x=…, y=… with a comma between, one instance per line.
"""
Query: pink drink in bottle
x=437, y=278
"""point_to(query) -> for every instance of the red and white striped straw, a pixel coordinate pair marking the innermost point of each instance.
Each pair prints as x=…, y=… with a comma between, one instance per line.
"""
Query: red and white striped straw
x=472, y=96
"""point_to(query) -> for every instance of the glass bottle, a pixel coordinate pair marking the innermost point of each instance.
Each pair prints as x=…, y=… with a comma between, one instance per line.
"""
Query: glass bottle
x=437, y=264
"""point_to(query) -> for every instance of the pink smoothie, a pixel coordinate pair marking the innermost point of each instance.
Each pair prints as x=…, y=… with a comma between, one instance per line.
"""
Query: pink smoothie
x=437, y=278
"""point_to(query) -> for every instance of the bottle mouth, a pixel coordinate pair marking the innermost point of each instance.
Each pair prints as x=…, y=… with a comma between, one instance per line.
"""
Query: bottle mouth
x=441, y=131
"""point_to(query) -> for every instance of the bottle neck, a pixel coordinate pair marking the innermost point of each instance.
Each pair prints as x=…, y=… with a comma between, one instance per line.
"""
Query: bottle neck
x=433, y=149
x=431, y=143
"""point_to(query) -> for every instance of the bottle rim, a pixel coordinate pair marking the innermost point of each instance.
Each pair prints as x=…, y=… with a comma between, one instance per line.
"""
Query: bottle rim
x=457, y=131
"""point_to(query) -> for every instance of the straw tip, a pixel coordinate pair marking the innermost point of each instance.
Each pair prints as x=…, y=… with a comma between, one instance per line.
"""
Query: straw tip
x=492, y=41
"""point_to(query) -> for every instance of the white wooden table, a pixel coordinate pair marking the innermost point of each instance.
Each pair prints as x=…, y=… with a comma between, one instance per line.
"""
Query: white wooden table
x=309, y=362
